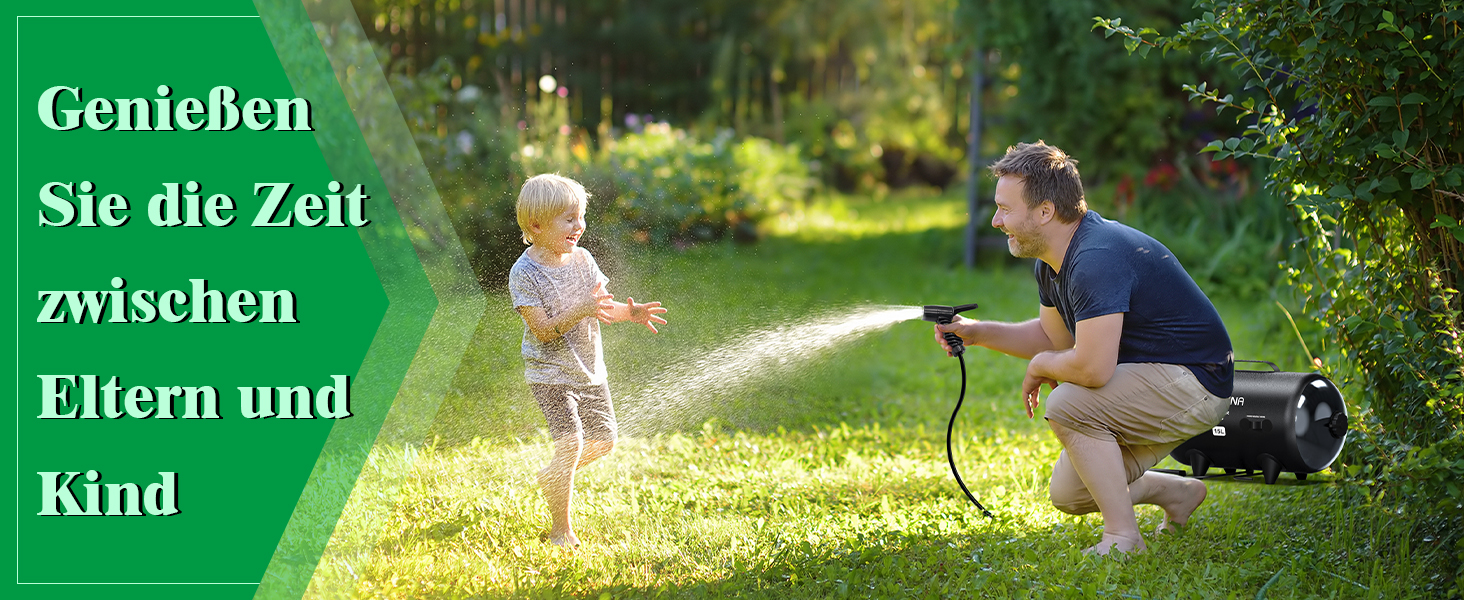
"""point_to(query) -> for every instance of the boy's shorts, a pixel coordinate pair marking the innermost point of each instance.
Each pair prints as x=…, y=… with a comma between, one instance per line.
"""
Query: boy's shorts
x=579, y=411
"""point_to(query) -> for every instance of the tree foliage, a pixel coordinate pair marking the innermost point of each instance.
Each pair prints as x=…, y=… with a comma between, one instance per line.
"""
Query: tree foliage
x=1057, y=80
x=836, y=77
x=1357, y=106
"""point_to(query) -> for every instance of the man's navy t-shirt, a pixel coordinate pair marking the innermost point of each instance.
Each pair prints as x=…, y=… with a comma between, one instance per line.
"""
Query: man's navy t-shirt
x=1113, y=268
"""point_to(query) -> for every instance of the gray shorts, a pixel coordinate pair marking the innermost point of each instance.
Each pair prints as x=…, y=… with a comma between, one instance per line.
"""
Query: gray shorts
x=579, y=411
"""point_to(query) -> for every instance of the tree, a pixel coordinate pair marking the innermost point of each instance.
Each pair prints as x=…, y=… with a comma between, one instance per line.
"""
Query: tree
x=1357, y=106
x=1062, y=84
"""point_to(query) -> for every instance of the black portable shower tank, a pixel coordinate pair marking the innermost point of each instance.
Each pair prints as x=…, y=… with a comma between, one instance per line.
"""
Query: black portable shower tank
x=1278, y=421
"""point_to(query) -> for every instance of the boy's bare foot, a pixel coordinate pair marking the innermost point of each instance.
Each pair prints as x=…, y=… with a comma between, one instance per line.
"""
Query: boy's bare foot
x=564, y=540
x=1116, y=544
x=1180, y=501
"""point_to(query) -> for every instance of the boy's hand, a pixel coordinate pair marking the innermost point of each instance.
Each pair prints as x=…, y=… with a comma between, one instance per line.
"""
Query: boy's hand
x=645, y=314
x=598, y=302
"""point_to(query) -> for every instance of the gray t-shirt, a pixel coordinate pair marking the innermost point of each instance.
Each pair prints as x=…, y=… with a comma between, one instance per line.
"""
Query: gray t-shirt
x=576, y=357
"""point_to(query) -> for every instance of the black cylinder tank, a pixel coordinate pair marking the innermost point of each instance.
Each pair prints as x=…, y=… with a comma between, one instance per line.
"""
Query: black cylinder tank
x=1278, y=421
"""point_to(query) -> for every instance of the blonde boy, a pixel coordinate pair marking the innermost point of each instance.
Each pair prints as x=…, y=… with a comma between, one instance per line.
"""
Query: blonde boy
x=557, y=288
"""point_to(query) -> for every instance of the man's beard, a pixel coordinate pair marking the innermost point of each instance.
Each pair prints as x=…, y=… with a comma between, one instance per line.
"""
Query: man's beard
x=1026, y=244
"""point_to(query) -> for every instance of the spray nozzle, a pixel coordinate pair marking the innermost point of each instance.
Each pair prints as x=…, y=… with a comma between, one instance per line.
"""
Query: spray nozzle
x=943, y=315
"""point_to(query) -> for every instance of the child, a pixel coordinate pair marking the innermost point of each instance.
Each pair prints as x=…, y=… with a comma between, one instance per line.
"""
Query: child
x=557, y=288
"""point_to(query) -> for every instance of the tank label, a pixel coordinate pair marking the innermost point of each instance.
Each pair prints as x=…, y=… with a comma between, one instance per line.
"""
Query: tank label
x=1219, y=431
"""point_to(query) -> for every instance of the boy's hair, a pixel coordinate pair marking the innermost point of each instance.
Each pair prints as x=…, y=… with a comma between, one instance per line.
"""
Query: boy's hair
x=1047, y=173
x=544, y=197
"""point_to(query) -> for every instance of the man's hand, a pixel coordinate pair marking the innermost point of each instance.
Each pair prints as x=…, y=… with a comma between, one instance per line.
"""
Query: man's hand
x=1031, y=390
x=963, y=327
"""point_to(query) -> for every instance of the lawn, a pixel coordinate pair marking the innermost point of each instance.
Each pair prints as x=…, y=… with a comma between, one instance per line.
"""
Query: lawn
x=818, y=470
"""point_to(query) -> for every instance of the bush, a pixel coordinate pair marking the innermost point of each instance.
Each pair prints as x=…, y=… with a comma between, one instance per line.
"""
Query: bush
x=1061, y=82
x=674, y=189
x=659, y=187
x=775, y=176
x=1228, y=233
x=1356, y=104
x=461, y=138
x=1357, y=110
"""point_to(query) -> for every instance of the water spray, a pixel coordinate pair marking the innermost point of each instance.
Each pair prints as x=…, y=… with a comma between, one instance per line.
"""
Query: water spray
x=684, y=393
x=943, y=315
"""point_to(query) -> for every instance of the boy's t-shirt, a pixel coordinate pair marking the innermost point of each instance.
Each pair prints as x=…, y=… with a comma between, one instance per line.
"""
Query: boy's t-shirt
x=575, y=358
x=1111, y=268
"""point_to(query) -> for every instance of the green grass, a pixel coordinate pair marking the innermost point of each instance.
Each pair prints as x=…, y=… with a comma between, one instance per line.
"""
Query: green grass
x=830, y=479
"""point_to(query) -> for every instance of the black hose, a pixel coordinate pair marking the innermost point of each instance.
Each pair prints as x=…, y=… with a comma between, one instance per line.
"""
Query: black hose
x=951, y=456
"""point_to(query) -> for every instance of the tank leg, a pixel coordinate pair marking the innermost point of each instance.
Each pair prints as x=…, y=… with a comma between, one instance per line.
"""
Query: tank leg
x=1199, y=463
x=1270, y=468
x=1231, y=471
x=1301, y=476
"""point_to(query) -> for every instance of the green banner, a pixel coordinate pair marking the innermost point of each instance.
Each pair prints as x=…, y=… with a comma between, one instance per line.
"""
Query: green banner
x=222, y=291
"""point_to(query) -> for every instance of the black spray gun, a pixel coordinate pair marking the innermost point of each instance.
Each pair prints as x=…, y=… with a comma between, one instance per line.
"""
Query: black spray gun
x=943, y=315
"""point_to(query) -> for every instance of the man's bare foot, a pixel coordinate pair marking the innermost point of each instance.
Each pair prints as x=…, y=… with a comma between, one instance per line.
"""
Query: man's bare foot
x=1116, y=544
x=1181, y=500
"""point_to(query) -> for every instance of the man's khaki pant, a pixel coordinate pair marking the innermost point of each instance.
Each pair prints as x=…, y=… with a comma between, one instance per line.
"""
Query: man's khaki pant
x=1148, y=408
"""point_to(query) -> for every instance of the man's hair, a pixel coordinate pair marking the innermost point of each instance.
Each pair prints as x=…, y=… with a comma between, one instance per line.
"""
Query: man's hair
x=1048, y=174
x=544, y=197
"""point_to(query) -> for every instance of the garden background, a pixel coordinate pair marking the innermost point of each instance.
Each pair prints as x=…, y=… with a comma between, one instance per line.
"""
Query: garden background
x=764, y=166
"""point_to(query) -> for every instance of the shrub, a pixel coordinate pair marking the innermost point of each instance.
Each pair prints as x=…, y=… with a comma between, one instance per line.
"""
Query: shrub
x=658, y=187
x=1228, y=234
x=1058, y=81
x=1357, y=108
x=1357, y=111
x=674, y=189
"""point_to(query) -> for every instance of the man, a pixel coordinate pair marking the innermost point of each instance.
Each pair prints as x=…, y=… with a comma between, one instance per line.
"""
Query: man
x=1136, y=355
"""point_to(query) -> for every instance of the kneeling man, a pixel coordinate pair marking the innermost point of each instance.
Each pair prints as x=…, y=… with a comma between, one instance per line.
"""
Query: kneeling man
x=1136, y=355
